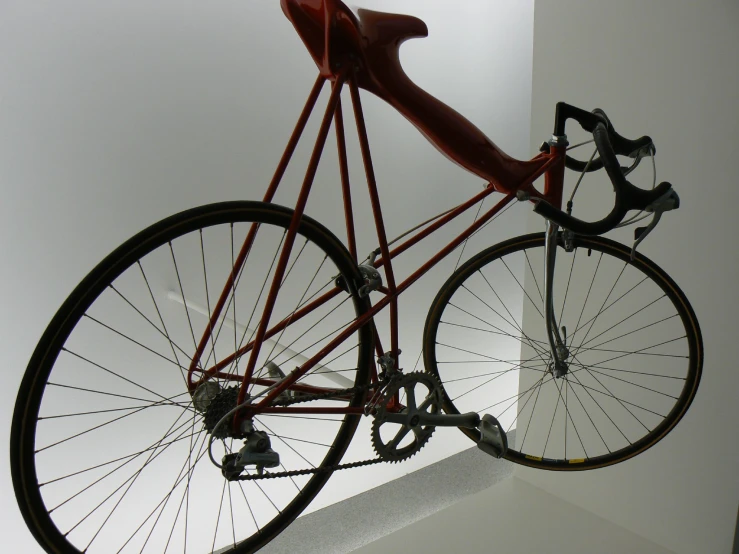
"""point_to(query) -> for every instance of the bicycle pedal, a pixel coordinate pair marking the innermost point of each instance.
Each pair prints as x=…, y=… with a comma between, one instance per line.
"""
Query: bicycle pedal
x=493, y=439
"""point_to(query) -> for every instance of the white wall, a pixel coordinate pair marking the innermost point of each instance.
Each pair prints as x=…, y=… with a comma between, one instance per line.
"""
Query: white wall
x=513, y=516
x=667, y=69
x=116, y=114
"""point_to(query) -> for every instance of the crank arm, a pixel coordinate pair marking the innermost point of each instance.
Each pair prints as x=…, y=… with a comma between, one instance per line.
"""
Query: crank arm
x=470, y=420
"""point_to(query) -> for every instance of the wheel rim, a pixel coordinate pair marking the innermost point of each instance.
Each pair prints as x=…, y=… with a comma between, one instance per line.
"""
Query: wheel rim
x=635, y=351
x=118, y=450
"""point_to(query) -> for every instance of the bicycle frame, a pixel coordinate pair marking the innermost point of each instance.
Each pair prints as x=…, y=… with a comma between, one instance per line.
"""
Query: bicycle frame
x=552, y=168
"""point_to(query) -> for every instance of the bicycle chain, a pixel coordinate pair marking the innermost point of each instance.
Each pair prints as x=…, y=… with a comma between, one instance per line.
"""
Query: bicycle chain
x=315, y=470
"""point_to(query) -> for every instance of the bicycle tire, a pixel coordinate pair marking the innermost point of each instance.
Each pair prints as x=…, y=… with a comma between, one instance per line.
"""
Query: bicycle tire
x=53, y=347
x=492, y=318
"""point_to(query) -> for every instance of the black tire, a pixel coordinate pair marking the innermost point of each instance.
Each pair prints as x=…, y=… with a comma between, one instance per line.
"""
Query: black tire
x=615, y=411
x=56, y=361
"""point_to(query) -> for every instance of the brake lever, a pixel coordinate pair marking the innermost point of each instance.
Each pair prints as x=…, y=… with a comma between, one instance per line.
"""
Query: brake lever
x=644, y=152
x=668, y=201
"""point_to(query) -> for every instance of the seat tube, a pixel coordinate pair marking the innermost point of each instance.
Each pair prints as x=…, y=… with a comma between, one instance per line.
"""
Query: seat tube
x=377, y=212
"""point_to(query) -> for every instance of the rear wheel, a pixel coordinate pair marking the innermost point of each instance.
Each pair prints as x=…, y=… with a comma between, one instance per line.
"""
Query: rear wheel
x=635, y=350
x=108, y=449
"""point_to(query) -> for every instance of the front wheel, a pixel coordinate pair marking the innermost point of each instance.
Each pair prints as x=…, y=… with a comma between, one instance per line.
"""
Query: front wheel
x=634, y=350
x=109, y=450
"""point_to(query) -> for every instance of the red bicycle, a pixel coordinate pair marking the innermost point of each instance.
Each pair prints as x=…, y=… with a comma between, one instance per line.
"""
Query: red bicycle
x=203, y=382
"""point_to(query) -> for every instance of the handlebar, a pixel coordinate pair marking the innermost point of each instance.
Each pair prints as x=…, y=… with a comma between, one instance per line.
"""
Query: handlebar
x=609, y=144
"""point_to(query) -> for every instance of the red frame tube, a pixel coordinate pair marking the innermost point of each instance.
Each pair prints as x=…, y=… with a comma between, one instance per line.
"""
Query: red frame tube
x=292, y=232
x=553, y=170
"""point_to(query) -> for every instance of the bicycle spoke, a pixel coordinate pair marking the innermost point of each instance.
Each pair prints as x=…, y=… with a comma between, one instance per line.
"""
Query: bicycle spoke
x=596, y=366
x=234, y=363
x=582, y=343
x=182, y=293
x=641, y=351
x=515, y=398
x=307, y=417
x=578, y=327
x=491, y=358
x=533, y=276
x=163, y=503
x=42, y=418
x=149, y=321
x=233, y=286
x=218, y=518
x=233, y=525
x=626, y=334
x=587, y=296
x=600, y=310
x=621, y=401
x=96, y=427
x=587, y=390
x=525, y=292
x=137, y=343
x=97, y=466
x=289, y=318
x=111, y=372
x=161, y=320
x=284, y=438
x=529, y=342
x=533, y=409
x=248, y=505
x=595, y=427
x=467, y=378
x=518, y=395
x=207, y=303
x=514, y=324
x=568, y=415
x=591, y=370
x=284, y=442
x=513, y=421
x=132, y=457
x=130, y=481
x=554, y=415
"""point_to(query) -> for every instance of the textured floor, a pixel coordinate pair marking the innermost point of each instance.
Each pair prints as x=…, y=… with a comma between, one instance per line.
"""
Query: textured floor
x=357, y=521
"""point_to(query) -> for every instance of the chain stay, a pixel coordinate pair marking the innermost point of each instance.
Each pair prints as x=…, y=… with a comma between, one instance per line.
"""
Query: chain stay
x=326, y=469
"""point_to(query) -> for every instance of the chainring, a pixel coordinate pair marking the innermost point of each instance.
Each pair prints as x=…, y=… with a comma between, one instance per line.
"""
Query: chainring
x=394, y=446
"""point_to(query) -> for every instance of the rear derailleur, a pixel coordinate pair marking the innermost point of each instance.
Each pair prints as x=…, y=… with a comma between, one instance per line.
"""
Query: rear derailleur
x=257, y=451
x=217, y=404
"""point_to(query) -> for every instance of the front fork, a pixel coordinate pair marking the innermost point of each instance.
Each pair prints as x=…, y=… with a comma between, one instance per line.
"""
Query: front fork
x=557, y=345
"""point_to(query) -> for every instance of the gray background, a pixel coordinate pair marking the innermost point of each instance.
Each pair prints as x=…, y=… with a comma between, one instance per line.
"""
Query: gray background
x=112, y=117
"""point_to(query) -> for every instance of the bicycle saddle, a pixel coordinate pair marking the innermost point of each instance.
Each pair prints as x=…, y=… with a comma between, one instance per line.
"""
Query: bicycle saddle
x=371, y=40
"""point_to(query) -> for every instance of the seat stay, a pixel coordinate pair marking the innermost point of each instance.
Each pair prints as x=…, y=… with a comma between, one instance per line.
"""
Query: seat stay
x=292, y=231
x=195, y=362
